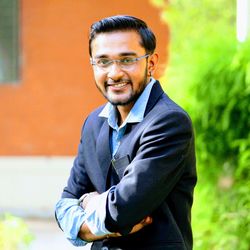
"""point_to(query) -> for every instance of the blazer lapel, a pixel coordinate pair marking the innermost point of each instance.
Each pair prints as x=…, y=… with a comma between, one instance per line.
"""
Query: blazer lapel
x=103, y=150
x=122, y=161
x=103, y=143
x=156, y=92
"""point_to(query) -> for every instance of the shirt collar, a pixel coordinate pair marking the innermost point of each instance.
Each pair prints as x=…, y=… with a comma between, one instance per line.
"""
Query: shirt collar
x=135, y=115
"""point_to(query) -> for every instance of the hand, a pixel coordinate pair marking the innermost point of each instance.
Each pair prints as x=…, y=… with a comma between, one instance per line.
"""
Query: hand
x=86, y=198
x=86, y=234
x=147, y=221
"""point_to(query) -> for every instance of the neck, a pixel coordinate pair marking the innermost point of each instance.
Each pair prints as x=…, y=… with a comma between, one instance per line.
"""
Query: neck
x=123, y=112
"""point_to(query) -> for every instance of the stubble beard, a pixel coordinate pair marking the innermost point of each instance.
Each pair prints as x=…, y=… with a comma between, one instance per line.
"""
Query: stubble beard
x=133, y=95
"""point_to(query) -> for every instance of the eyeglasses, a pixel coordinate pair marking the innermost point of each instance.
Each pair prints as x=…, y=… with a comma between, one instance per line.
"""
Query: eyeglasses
x=125, y=63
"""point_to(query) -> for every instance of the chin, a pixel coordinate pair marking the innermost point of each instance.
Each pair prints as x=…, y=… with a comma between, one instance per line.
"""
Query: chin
x=122, y=102
x=116, y=100
x=119, y=102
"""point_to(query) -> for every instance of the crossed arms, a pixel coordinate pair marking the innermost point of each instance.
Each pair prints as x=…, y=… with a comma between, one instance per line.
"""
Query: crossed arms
x=155, y=170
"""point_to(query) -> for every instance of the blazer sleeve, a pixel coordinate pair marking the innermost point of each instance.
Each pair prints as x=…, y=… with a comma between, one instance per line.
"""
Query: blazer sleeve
x=78, y=181
x=160, y=161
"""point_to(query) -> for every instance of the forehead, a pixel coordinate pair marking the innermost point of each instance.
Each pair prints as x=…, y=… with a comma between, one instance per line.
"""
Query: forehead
x=117, y=43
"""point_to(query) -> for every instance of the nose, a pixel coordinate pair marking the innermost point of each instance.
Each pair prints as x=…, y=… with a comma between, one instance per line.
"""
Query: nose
x=115, y=72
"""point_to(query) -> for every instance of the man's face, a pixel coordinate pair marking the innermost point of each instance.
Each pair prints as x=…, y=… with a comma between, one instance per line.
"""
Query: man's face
x=120, y=86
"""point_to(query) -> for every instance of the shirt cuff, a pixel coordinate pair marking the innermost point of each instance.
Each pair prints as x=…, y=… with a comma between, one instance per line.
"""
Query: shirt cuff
x=96, y=214
x=70, y=217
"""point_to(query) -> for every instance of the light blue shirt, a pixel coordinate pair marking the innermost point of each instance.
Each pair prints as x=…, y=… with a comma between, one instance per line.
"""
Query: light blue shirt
x=135, y=115
x=69, y=214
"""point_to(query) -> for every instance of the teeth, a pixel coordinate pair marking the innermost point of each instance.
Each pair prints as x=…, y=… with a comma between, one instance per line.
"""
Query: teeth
x=119, y=85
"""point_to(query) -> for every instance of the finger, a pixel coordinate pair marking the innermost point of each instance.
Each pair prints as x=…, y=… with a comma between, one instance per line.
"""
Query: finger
x=146, y=221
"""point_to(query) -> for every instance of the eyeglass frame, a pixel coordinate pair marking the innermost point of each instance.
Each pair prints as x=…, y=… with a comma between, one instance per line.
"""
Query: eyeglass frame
x=118, y=61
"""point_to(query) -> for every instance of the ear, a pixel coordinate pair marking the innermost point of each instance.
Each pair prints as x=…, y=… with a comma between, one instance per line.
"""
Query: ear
x=152, y=63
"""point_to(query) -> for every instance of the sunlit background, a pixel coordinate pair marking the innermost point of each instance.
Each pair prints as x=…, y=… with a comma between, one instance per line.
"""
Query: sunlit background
x=47, y=90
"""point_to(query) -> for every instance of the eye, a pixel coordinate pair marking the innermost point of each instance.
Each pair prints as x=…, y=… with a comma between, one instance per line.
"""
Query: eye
x=127, y=60
x=103, y=62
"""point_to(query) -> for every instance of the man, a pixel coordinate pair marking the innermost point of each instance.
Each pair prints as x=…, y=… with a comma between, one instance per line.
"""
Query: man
x=131, y=185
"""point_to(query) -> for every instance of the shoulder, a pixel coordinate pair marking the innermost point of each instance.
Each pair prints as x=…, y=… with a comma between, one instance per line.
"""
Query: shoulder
x=164, y=105
x=95, y=113
x=169, y=107
x=159, y=101
x=93, y=120
x=166, y=115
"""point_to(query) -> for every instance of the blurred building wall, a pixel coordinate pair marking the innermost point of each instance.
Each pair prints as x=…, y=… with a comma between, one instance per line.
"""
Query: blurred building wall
x=41, y=115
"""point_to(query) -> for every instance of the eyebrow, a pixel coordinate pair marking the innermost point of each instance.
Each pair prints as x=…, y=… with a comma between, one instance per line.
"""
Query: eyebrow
x=120, y=55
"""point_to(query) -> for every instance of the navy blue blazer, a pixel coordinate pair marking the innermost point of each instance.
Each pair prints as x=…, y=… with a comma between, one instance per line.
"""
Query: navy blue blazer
x=156, y=175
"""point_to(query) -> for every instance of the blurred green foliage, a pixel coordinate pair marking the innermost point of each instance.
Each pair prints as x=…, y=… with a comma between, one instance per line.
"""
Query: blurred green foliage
x=14, y=234
x=209, y=75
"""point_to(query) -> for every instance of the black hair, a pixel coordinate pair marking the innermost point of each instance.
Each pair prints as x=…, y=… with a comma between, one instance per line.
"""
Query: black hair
x=124, y=23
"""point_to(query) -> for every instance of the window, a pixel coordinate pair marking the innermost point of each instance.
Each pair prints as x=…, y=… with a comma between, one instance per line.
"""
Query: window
x=9, y=41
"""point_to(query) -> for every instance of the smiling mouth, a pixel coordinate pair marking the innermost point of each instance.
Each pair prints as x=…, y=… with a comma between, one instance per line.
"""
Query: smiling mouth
x=120, y=84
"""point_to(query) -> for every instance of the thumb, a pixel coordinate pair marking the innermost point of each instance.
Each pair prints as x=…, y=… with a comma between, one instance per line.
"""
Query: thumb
x=147, y=220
